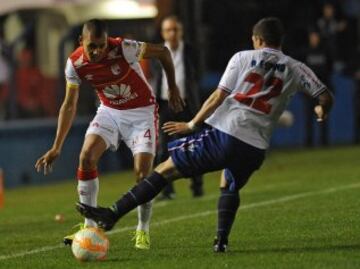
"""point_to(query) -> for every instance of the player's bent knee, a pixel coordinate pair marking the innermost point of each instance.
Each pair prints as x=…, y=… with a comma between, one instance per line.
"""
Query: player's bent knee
x=88, y=160
x=168, y=170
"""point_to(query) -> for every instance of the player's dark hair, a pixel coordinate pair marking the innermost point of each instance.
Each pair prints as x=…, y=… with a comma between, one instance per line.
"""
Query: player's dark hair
x=96, y=27
x=271, y=30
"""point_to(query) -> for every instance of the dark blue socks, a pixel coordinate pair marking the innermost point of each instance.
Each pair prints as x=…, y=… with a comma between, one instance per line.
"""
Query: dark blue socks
x=143, y=192
x=228, y=205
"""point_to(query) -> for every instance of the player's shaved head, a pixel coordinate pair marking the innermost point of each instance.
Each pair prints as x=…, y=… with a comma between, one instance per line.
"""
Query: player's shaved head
x=94, y=39
x=95, y=27
x=271, y=30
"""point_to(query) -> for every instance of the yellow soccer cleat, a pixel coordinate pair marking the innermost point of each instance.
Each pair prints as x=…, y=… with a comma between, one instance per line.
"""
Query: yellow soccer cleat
x=68, y=239
x=142, y=240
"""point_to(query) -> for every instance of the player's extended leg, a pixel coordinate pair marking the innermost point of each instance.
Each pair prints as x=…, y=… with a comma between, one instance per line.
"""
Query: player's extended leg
x=145, y=191
x=87, y=175
x=143, y=163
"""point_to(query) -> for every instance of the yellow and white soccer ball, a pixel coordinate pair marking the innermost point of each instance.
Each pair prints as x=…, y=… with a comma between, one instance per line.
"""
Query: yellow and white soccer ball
x=90, y=244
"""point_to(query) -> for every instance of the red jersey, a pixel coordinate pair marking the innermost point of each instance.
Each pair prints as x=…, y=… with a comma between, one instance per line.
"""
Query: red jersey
x=118, y=78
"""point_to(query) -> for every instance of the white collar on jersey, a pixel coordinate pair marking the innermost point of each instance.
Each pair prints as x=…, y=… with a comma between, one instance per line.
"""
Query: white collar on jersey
x=272, y=49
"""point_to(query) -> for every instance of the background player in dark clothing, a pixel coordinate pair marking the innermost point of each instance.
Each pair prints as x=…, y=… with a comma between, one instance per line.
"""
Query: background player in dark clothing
x=186, y=75
x=320, y=61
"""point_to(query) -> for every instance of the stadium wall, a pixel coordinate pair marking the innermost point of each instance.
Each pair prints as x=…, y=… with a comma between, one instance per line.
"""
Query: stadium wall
x=22, y=142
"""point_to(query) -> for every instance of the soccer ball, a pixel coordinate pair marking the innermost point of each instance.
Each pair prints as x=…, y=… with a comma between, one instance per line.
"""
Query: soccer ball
x=90, y=244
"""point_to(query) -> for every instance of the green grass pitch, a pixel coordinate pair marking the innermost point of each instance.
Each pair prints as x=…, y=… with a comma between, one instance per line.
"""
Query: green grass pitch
x=301, y=210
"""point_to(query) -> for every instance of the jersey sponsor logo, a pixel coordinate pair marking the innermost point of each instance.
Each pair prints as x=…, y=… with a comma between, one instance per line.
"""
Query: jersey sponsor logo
x=122, y=91
x=115, y=69
x=116, y=91
x=124, y=100
x=128, y=43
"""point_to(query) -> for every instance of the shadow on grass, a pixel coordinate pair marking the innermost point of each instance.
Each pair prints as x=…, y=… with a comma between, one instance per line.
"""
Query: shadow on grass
x=115, y=260
x=333, y=248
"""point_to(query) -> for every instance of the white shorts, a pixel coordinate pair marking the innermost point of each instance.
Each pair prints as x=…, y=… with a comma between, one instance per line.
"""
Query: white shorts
x=137, y=127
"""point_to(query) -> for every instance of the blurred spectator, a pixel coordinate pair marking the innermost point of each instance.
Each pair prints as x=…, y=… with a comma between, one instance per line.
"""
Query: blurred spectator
x=28, y=86
x=329, y=27
x=319, y=60
x=351, y=8
x=353, y=70
x=4, y=76
x=186, y=72
x=357, y=104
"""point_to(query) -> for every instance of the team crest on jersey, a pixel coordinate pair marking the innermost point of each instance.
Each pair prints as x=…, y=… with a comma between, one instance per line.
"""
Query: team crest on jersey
x=128, y=43
x=115, y=69
x=113, y=54
x=80, y=62
x=89, y=77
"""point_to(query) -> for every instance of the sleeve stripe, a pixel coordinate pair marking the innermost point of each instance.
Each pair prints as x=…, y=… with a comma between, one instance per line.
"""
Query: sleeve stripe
x=142, y=51
x=224, y=88
x=71, y=85
x=322, y=90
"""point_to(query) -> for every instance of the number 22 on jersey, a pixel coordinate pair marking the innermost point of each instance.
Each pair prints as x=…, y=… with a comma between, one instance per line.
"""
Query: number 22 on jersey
x=273, y=85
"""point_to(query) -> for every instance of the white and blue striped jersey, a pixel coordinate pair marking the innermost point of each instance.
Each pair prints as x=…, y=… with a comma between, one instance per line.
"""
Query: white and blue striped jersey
x=260, y=84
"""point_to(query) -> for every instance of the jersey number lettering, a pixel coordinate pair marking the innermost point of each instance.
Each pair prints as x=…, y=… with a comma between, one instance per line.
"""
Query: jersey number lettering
x=148, y=134
x=260, y=103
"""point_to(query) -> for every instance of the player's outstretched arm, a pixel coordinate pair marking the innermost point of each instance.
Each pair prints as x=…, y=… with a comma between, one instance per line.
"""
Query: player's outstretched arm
x=162, y=53
x=66, y=116
x=209, y=106
x=325, y=102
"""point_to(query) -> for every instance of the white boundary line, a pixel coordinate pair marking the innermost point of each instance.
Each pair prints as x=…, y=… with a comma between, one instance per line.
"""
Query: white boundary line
x=196, y=215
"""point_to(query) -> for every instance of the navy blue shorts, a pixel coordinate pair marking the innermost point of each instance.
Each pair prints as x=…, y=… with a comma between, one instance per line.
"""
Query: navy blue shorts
x=212, y=150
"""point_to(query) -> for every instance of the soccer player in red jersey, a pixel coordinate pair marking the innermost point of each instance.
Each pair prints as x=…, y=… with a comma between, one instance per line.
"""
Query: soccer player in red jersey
x=127, y=112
